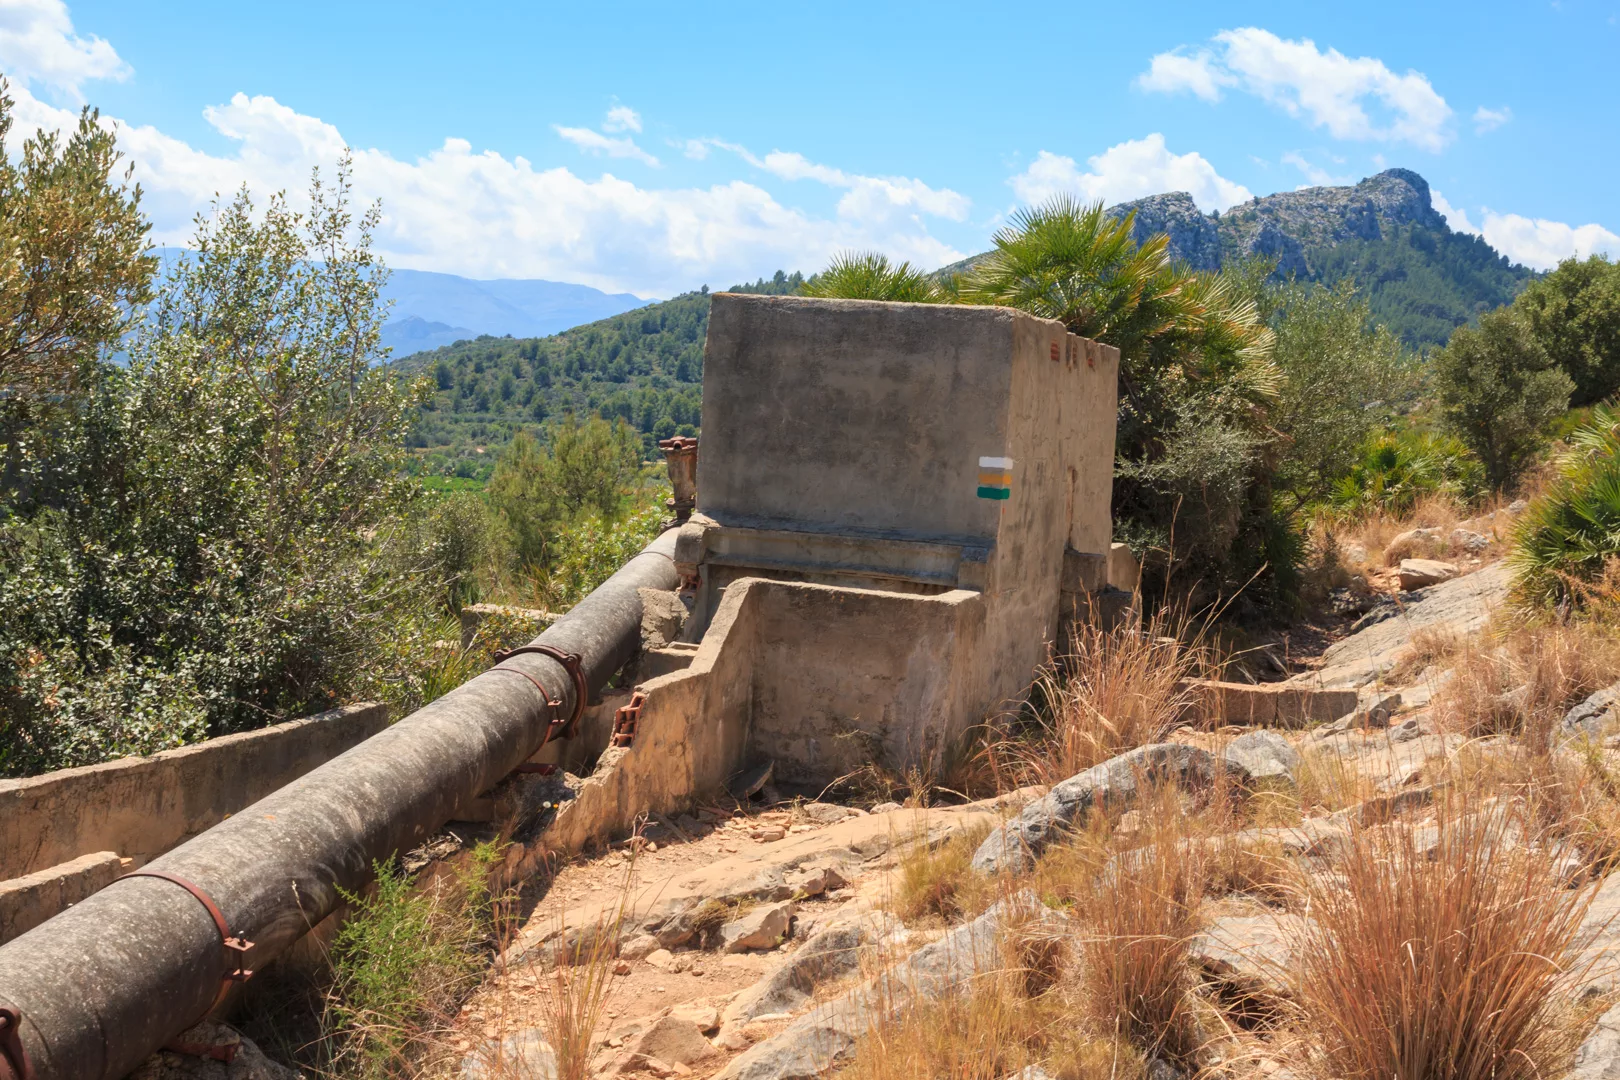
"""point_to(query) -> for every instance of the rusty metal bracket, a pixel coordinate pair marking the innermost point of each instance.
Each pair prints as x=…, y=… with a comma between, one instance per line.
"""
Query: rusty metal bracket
x=236, y=948
x=626, y=719
x=13, y=1058
x=570, y=663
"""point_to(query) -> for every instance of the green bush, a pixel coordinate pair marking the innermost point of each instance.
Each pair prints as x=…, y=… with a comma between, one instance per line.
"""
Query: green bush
x=1395, y=469
x=402, y=962
x=207, y=540
x=1572, y=529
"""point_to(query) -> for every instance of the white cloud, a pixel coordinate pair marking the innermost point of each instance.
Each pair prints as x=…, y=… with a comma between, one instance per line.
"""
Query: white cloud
x=487, y=215
x=38, y=47
x=868, y=198
x=1490, y=119
x=1314, y=174
x=1127, y=171
x=1195, y=72
x=1542, y=244
x=1455, y=217
x=594, y=142
x=1328, y=89
x=622, y=118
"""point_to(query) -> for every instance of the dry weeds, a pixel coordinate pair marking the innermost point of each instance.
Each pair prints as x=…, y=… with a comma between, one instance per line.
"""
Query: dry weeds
x=1455, y=963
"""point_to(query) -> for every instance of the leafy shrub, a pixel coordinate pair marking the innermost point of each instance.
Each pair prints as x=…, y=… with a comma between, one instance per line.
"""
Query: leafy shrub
x=402, y=962
x=1395, y=469
x=1572, y=530
x=204, y=541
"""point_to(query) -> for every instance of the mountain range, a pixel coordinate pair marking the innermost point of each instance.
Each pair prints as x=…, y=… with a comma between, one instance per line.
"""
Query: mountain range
x=1420, y=278
x=433, y=309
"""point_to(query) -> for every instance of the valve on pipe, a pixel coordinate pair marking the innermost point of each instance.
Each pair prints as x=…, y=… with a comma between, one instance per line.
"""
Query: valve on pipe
x=89, y=994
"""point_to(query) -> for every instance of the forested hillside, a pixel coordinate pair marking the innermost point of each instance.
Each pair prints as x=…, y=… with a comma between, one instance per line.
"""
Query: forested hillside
x=645, y=367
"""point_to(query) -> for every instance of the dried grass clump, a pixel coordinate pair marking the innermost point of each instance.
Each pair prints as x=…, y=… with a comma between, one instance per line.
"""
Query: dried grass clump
x=1457, y=963
x=1522, y=683
x=1251, y=868
x=1326, y=781
x=937, y=881
x=1139, y=926
x=1112, y=691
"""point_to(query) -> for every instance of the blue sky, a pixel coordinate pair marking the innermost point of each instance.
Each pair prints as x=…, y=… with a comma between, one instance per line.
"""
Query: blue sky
x=654, y=148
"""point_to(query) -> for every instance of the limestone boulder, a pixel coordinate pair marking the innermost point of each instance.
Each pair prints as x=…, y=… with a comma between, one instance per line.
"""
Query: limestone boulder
x=1421, y=573
x=765, y=927
x=1262, y=755
x=1406, y=543
x=525, y=1054
x=1469, y=541
x=1014, y=845
x=1593, y=718
x=1250, y=958
x=815, y=1044
x=195, y=1054
x=1599, y=1055
x=673, y=1039
x=831, y=953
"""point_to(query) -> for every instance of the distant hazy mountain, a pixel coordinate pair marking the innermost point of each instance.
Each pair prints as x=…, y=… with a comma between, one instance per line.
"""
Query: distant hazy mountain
x=1420, y=278
x=432, y=309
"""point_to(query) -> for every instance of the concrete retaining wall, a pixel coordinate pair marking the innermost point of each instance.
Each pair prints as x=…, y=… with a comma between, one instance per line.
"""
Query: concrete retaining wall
x=141, y=807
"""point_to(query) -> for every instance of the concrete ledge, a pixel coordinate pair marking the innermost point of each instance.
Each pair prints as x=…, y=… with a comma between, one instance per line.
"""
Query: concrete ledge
x=142, y=807
x=26, y=902
x=1270, y=704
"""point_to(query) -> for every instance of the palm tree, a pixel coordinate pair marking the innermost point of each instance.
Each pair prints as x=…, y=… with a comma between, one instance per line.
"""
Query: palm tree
x=867, y=275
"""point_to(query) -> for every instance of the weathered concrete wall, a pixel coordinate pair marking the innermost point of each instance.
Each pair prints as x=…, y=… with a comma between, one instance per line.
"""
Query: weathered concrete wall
x=27, y=901
x=845, y=677
x=141, y=807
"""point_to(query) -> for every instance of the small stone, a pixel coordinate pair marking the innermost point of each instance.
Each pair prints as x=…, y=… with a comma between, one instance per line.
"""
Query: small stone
x=621, y=967
x=732, y=1039
x=660, y=959
x=885, y=807
x=1470, y=541
x=768, y=834
x=801, y=828
x=1517, y=506
x=638, y=947
x=1263, y=755
x=674, y=1040
x=706, y=1018
x=1421, y=573
x=765, y=927
x=824, y=813
x=681, y=963
x=813, y=881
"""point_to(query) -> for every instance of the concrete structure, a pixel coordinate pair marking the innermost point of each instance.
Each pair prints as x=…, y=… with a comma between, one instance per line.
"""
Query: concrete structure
x=923, y=487
x=64, y=834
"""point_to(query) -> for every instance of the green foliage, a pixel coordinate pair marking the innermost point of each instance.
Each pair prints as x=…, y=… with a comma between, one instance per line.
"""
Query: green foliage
x=1499, y=393
x=644, y=367
x=585, y=468
x=1574, y=314
x=402, y=962
x=1421, y=283
x=1342, y=376
x=867, y=275
x=1572, y=530
x=1395, y=469
x=74, y=261
x=206, y=541
x=593, y=549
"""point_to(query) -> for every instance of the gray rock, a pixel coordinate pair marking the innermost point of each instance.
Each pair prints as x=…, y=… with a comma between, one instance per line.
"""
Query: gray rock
x=1592, y=718
x=830, y=953
x=765, y=927
x=248, y=1062
x=1160, y=1069
x=1409, y=729
x=1249, y=957
x=812, y=1045
x=1417, y=574
x=1194, y=238
x=1599, y=1056
x=673, y=1039
x=824, y=813
x=524, y=1056
x=1015, y=845
x=1517, y=506
x=1470, y=541
x=885, y=807
x=1262, y=755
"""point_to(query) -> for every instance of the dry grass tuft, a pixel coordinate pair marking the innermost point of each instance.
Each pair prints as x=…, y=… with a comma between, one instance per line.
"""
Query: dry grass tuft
x=937, y=881
x=1112, y=691
x=1455, y=963
x=1522, y=683
x=1139, y=925
x=1257, y=869
x=1326, y=781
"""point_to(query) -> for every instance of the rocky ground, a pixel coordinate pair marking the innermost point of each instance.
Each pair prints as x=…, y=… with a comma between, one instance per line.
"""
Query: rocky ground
x=750, y=941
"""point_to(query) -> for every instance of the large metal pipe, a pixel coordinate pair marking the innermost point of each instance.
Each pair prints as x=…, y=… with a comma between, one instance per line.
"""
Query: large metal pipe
x=107, y=982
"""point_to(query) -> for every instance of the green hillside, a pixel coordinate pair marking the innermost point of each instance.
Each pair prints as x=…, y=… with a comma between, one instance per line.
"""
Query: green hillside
x=1421, y=282
x=645, y=366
